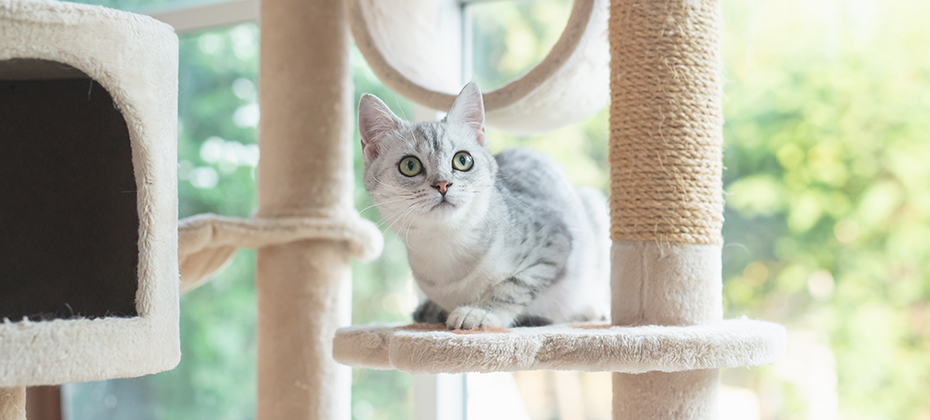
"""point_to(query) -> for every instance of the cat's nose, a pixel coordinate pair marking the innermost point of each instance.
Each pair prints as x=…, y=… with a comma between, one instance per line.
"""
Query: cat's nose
x=442, y=186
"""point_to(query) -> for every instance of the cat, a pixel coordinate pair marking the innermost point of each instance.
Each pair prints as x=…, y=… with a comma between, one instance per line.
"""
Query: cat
x=492, y=241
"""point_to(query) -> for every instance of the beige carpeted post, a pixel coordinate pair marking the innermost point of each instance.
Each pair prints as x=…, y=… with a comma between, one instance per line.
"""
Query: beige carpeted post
x=666, y=190
x=13, y=403
x=303, y=288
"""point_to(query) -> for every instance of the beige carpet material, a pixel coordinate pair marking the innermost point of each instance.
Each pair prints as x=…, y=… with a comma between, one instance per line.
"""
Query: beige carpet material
x=729, y=343
x=13, y=403
x=664, y=395
x=206, y=242
x=303, y=288
x=135, y=58
x=665, y=284
x=400, y=42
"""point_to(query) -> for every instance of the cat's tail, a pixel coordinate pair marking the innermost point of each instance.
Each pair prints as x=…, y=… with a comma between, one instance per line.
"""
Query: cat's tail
x=595, y=207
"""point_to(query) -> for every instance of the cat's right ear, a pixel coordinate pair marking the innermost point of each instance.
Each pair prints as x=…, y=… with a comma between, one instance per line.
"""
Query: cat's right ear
x=375, y=121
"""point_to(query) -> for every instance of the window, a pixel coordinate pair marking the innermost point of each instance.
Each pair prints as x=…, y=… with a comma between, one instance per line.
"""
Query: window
x=828, y=202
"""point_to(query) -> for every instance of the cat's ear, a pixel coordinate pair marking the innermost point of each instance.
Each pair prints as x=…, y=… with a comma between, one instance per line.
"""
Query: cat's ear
x=375, y=120
x=468, y=110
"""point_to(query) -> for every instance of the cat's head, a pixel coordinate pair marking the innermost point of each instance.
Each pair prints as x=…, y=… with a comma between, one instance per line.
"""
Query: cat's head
x=428, y=173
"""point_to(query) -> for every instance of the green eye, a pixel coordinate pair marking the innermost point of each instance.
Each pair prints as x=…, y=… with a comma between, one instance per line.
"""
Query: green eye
x=462, y=161
x=410, y=166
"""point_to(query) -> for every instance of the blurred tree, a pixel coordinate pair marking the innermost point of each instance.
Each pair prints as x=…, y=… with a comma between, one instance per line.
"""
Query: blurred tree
x=828, y=190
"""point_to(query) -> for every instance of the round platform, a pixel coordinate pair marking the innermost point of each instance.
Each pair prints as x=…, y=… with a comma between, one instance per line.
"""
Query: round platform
x=422, y=348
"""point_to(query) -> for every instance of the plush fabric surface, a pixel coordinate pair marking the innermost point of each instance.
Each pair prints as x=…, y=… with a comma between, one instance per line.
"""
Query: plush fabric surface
x=399, y=41
x=666, y=395
x=13, y=403
x=206, y=241
x=303, y=288
x=729, y=343
x=135, y=59
x=665, y=284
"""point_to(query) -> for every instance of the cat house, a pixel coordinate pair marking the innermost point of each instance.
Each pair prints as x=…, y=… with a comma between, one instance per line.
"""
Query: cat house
x=88, y=195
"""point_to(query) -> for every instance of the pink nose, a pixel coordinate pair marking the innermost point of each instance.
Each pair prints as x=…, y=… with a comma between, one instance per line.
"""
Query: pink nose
x=442, y=186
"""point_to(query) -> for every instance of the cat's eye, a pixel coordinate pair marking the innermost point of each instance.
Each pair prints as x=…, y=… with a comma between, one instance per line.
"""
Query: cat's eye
x=410, y=166
x=462, y=161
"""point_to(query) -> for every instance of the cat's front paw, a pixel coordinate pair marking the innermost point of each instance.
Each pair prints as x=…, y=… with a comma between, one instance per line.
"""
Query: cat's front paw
x=468, y=317
x=430, y=313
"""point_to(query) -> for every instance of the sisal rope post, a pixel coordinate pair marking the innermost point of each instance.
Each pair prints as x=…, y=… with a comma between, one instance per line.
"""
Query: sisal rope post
x=13, y=403
x=303, y=288
x=666, y=190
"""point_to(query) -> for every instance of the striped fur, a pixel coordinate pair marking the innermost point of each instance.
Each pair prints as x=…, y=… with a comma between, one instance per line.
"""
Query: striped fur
x=511, y=242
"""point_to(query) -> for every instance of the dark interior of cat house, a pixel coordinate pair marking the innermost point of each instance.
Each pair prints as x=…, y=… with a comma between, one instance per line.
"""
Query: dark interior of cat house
x=68, y=214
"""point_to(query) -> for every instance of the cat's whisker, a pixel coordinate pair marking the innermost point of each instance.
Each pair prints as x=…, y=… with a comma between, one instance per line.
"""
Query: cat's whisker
x=493, y=219
x=397, y=102
x=488, y=239
x=499, y=228
x=405, y=227
x=506, y=219
x=383, y=222
x=381, y=203
x=386, y=219
x=412, y=208
x=515, y=199
x=391, y=194
x=407, y=235
x=370, y=227
x=386, y=185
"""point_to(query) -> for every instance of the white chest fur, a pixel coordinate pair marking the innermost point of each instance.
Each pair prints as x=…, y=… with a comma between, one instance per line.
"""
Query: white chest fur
x=455, y=270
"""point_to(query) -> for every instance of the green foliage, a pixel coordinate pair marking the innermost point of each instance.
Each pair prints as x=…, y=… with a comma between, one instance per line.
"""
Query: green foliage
x=828, y=188
x=509, y=38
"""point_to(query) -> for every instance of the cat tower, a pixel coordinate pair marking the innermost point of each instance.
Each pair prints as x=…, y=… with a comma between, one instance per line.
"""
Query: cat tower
x=667, y=339
x=108, y=307
x=88, y=197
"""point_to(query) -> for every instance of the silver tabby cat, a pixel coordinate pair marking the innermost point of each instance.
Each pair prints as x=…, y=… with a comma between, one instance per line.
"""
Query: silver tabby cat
x=493, y=241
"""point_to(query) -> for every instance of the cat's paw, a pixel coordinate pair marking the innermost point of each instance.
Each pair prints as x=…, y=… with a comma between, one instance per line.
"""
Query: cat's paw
x=468, y=317
x=430, y=313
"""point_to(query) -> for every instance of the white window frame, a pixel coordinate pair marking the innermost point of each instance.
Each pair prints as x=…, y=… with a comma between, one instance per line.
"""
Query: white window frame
x=213, y=15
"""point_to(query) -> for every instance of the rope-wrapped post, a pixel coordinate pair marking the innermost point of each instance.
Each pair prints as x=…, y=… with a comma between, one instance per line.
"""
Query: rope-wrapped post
x=303, y=288
x=13, y=403
x=666, y=189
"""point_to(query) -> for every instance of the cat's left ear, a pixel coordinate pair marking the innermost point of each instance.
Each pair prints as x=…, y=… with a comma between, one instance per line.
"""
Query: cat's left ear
x=468, y=110
x=375, y=121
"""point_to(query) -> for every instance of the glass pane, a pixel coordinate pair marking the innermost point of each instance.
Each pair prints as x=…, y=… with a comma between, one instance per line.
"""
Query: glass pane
x=827, y=202
x=510, y=37
x=540, y=395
